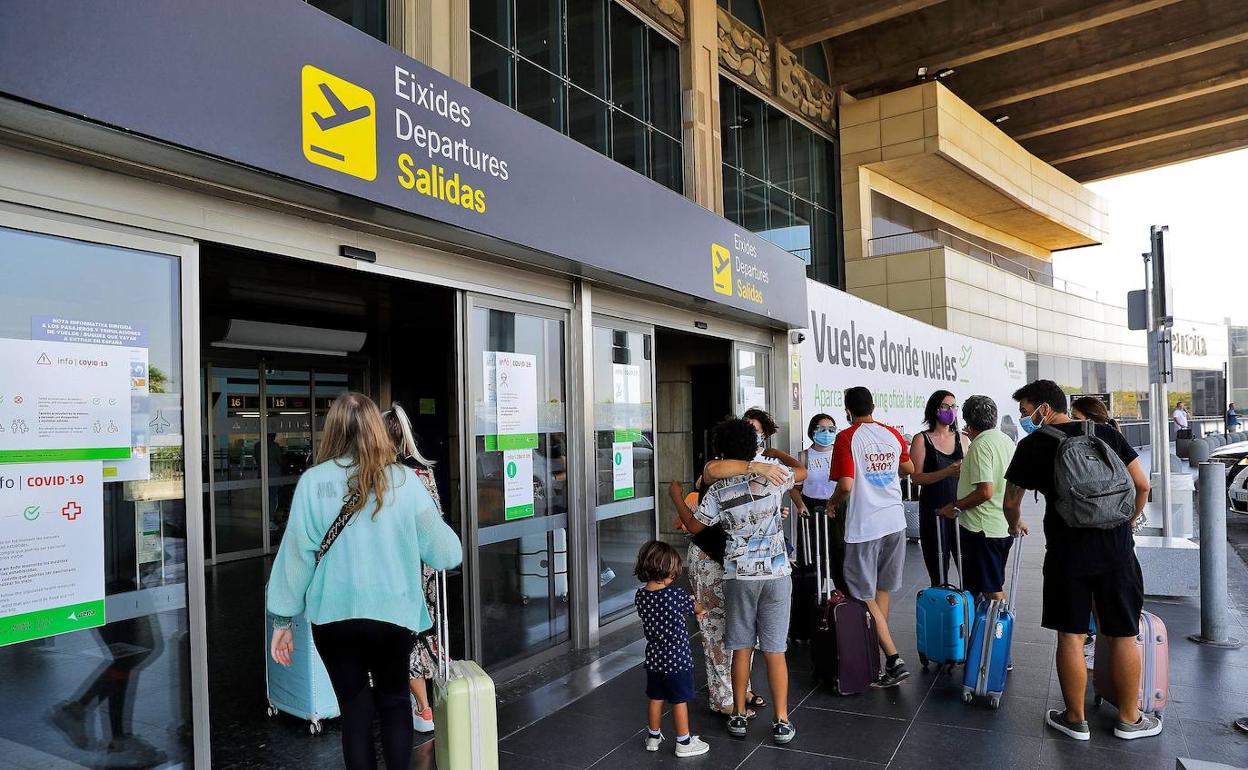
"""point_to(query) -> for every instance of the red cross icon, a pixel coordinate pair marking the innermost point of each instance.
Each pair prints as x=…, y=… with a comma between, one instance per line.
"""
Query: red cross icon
x=71, y=510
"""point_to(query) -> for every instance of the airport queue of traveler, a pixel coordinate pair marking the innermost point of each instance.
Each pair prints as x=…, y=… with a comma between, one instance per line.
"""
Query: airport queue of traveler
x=973, y=479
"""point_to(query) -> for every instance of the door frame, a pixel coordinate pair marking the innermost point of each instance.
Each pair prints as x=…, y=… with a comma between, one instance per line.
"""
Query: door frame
x=570, y=522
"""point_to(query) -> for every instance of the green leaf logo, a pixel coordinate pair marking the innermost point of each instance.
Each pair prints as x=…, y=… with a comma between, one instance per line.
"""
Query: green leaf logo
x=965, y=358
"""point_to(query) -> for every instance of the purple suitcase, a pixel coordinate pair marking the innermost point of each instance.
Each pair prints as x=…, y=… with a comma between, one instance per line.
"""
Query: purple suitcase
x=845, y=649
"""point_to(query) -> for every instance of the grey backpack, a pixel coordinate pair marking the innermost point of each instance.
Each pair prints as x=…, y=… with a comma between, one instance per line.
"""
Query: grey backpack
x=1092, y=487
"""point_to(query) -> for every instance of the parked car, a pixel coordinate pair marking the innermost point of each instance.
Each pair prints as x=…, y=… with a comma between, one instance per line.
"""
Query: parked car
x=1235, y=458
x=1237, y=491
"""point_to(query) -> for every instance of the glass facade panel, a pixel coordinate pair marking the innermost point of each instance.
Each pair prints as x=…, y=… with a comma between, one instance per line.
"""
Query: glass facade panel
x=590, y=69
x=117, y=694
x=778, y=180
x=365, y=15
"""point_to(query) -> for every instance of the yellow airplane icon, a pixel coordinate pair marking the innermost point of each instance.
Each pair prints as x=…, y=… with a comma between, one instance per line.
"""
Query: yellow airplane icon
x=721, y=269
x=339, y=124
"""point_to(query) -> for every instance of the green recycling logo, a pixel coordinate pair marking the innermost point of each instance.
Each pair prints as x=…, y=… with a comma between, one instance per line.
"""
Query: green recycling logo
x=512, y=470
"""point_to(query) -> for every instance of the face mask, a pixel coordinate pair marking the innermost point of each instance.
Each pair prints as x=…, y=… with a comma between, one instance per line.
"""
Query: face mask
x=759, y=441
x=946, y=416
x=824, y=437
x=1029, y=425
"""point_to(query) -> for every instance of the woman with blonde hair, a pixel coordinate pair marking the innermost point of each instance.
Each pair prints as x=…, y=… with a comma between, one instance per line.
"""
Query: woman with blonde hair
x=425, y=652
x=361, y=525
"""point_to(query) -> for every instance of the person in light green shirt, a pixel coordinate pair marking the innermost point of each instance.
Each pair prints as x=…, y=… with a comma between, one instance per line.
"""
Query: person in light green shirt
x=985, y=530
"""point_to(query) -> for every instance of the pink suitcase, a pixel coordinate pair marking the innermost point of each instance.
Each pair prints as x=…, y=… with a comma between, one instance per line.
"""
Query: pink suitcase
x=1153, y=644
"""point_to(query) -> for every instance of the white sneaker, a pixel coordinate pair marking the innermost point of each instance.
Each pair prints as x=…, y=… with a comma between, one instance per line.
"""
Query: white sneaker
x=653, y=741
x=422, y=721
x=695, y=747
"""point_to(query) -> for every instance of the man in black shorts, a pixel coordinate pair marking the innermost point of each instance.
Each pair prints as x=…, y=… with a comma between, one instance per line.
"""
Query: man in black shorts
x=1084, y=569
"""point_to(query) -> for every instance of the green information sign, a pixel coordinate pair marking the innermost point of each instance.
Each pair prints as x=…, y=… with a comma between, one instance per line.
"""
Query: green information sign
x=627, y=435
x=494, y=443
x=517, y=509
x=51, y=621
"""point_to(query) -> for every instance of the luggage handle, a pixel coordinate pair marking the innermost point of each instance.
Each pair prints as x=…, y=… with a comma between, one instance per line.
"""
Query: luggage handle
x=1018, y=560
x=441, y=622
x=940, y=551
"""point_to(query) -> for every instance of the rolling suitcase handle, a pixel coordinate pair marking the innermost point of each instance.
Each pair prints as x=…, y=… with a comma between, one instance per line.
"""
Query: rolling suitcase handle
x=1010, y=600
x=940, y=551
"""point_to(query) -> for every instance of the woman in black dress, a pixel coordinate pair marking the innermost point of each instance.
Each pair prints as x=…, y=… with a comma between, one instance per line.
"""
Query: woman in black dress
x=937, y=452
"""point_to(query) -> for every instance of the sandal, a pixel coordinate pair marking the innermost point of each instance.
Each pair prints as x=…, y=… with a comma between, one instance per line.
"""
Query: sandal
x=749, y=712
x=754, y=700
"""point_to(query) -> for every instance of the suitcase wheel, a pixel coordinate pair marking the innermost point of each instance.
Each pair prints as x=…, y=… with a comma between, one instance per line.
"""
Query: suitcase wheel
x=923, y=661
x=1097, y=700
x=271, y=710
x=315, y=727
x=995, y=701
x=967, y=696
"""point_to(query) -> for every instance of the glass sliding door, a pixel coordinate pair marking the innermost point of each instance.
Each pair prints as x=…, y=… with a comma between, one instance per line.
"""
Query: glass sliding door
x=624, y=457
x=235, y=445
x=751, y=377
x=95, y=635
x=519, y=471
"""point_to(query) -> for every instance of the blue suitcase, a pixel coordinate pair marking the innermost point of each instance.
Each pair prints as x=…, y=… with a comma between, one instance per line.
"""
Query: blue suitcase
x=943, y=617
x=988, y=658
x=302, y=690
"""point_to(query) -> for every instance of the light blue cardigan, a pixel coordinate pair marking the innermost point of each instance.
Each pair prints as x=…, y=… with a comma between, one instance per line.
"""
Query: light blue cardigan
x=373, y=570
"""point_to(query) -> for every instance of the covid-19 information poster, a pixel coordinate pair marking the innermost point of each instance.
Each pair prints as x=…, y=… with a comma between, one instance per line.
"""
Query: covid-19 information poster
x=64, y=401
x=517, y=484
x=51, y=549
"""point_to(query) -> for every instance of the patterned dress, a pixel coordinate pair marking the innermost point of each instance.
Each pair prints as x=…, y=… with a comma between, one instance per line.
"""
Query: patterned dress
x=707, y=578
x=424, y=658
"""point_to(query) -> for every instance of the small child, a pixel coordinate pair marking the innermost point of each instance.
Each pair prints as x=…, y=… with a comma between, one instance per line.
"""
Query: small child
x=669, y=666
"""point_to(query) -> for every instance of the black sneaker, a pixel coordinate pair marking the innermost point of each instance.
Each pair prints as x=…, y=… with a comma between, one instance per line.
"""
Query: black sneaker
x=738, y=725
x=893, y=675
x=782, y=731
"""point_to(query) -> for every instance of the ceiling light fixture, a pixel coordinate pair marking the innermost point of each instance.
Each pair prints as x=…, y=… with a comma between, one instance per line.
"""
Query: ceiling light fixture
x=1000, y=119
x=921, y=73
x=946, y=72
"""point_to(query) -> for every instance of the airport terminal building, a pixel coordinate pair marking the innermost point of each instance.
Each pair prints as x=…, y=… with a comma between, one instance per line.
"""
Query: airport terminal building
x=568, y=240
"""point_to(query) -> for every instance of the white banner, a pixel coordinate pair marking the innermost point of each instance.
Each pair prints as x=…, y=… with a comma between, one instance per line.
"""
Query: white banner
x=903, y=361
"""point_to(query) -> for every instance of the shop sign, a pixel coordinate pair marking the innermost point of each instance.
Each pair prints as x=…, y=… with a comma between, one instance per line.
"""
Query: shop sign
x=52, y=526
x=284, y=88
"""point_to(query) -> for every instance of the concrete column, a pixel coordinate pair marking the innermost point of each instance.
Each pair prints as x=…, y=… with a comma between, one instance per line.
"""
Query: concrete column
x=699, y=65
x=434, y=32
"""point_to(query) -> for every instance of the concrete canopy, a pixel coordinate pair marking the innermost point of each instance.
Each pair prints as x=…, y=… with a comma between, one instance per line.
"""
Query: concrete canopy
x=1097, y=88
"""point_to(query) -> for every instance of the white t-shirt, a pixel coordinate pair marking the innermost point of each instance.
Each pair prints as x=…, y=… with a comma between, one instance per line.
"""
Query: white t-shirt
x=871, y=453
x=1180, y=418
x=818, y=486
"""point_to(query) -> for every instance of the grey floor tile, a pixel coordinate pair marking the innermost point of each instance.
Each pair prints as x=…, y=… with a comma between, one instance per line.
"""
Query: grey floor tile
x=1017, y=715
x=572, y=739
x=841, y=734
x=1216, y=741
x=1065, y=754
x=725, y=752
x=901, y=702
x=509, y=761
x=940, y=747
x=777, y=758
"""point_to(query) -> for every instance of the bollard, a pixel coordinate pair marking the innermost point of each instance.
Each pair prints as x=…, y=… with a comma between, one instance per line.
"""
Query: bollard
x=1213, y=580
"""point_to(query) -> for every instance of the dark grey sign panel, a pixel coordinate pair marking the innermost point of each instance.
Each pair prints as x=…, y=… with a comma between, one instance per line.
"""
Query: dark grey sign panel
x=281, y=87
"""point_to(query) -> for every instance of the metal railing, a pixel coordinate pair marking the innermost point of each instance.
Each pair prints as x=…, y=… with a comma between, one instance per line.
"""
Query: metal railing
x=920, y=240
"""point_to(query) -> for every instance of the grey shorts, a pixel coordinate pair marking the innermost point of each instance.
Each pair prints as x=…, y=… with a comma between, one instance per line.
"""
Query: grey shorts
x=757, y=610
x=875, y=565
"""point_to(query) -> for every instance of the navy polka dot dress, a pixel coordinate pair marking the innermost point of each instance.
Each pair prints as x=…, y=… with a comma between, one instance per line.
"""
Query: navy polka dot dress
x=663, y=614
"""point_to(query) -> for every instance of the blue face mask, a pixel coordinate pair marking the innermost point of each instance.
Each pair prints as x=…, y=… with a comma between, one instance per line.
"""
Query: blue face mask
x=1029, y=425
x=824, y=437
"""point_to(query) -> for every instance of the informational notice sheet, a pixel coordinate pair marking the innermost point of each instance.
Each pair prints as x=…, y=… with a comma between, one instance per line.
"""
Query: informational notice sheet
x=755, y=398
x=517, y=484
x=64, y=401
x=622, y=470
x=51, y=549
x=626, y=379
x=133, y=338
x=515, y=395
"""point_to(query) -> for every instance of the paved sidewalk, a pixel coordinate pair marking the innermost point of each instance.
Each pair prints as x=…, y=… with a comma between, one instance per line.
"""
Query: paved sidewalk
x=921, y=724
